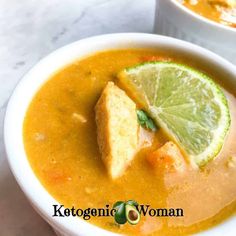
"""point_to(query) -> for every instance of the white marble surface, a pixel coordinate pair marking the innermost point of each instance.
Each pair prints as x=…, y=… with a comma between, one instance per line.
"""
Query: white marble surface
x=29, y=30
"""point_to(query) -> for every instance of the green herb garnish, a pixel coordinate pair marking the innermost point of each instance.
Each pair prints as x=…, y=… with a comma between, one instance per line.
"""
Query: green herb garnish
x=145, y=121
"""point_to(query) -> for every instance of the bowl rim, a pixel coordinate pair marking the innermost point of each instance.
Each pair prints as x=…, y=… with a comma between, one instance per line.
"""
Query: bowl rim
x=13, y=127
x=201, y=18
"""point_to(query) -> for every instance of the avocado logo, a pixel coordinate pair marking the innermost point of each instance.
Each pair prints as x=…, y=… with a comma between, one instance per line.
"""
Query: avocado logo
x=126, y=211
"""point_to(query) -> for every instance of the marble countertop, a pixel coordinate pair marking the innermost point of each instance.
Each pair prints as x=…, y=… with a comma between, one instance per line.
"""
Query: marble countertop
x=29, y=30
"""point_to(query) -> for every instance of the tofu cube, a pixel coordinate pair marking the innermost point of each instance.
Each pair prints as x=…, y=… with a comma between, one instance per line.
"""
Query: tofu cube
x=117, y=129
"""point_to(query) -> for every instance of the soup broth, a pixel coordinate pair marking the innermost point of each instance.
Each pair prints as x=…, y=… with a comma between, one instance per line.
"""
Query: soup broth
x=221, y=11
x=61, y=144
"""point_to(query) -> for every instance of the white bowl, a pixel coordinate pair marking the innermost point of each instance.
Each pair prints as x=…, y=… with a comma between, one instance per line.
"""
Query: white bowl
x=174, y=19
x=40, y=199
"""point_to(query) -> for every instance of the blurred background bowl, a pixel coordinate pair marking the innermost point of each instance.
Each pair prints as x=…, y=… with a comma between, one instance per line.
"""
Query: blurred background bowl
x=175, y=20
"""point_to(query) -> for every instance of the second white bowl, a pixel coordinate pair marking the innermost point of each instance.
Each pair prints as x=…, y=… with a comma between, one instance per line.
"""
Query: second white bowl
x=174, y=19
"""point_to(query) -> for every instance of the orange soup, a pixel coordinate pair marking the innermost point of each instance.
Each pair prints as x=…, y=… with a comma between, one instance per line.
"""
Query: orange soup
x=221, y=11
x=60, y=137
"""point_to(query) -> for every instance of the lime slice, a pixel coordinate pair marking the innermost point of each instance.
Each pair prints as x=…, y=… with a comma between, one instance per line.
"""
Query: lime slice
x=185, y=103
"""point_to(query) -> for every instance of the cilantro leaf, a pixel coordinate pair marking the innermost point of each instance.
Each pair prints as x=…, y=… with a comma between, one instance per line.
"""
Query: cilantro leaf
x=145, y=121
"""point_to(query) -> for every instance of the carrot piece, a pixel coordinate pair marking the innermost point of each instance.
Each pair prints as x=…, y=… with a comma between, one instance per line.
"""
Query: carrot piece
x=167, y=158
x=56, y=176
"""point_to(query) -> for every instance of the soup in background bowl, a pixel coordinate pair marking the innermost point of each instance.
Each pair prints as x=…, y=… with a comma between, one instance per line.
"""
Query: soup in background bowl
x=220, y=11
x=197, y=22
x=55, y=143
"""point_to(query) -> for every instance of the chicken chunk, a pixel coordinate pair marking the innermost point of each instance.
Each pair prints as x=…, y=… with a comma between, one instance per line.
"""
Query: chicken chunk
x=167, y=158
x=117, y=129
